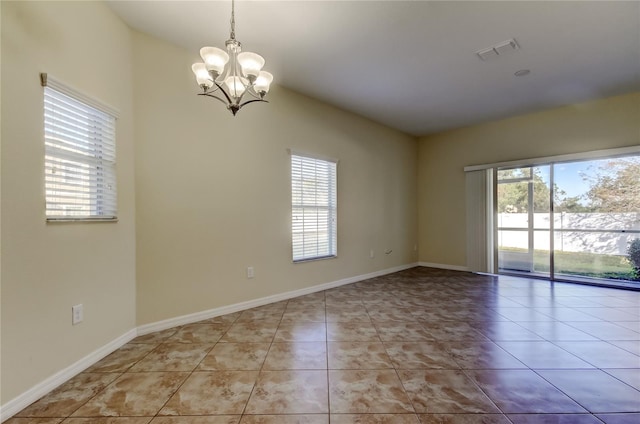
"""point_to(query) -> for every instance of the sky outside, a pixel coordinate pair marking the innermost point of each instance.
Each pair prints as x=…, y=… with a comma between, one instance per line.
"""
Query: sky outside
x=568, y=177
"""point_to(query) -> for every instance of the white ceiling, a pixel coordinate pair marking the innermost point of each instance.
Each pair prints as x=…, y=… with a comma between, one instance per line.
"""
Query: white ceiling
x=411, y=64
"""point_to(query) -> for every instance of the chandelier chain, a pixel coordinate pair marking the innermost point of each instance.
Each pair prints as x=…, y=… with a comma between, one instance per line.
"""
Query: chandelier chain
x=233, y=20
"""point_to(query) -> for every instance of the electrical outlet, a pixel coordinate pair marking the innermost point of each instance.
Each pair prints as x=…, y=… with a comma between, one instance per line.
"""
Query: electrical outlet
x=371, y=255
x=250, y=273
x=77, y=314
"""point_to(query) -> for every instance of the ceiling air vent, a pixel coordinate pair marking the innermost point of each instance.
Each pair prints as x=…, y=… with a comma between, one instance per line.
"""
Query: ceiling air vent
x=499, y=49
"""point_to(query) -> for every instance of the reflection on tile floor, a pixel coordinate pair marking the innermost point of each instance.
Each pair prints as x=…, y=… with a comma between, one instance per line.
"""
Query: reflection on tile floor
x=418, y=346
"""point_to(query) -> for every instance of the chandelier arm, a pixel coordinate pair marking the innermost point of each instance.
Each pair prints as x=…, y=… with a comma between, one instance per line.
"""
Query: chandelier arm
x=252, y=101
x=223, y=92
x=214, y=97
x=211, y=89
x=246, y=89
x=252, y=91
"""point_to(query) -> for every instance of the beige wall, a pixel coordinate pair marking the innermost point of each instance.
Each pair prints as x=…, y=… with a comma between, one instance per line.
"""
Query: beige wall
x=603, y=124
x=213, y=191
x=47, y=268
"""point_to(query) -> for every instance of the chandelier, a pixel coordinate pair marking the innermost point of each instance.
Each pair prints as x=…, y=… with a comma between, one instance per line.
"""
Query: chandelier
x=229, y=76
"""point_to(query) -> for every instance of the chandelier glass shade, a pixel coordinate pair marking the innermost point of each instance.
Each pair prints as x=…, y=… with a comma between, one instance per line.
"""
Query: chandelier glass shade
x=230, y=75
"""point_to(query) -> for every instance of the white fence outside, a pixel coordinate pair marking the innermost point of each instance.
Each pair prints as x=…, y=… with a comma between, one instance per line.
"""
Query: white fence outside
x=598, y=241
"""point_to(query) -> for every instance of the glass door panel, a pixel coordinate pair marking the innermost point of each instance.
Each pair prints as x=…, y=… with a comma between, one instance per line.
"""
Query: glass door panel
x=541, y=252
x=513, y=251
x=523, y=197
x=597, y=217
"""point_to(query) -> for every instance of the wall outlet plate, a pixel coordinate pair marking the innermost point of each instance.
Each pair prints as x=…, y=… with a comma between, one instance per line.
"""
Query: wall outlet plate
x=77, y=314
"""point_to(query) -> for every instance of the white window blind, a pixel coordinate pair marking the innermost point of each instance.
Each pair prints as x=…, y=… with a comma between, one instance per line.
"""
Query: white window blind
x=313, y=208
x=479, y=203
x=80, y=158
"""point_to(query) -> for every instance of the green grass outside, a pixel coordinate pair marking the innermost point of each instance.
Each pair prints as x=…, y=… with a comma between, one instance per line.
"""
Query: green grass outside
x=583, y=264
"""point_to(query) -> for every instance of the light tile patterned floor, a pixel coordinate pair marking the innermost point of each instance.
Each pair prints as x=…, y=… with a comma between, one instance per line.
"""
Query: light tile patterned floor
x=418, y=346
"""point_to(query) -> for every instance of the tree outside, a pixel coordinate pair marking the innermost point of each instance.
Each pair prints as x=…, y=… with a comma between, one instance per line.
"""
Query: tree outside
x=614, y=186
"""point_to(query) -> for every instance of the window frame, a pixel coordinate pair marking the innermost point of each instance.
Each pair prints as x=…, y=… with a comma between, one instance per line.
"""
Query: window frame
x=79, y=137
x=327, y=245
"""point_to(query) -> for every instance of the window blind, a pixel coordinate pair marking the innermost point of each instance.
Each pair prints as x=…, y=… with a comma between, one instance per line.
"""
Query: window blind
x=313, y=208
x=80, y=159
x=479, y=217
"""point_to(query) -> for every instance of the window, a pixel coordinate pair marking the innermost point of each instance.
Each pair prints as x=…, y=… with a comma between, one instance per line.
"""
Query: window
x=80, y=180
x=313, y=208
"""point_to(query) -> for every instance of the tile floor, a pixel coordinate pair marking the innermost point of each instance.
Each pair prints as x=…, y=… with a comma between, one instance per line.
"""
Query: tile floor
x=418, y=346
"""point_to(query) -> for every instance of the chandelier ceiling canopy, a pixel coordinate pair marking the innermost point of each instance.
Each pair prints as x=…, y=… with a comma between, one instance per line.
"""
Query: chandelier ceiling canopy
x=229, y=76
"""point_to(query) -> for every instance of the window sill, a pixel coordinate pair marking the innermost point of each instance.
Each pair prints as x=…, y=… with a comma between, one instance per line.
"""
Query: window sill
x=320, y=258
x=77, y=220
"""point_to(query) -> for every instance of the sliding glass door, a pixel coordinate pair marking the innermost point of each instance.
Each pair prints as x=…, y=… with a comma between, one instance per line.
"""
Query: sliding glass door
x=573, y=220
x=523, y=219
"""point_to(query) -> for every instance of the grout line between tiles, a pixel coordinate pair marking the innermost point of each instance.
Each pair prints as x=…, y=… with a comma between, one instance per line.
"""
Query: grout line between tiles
x=388, y=293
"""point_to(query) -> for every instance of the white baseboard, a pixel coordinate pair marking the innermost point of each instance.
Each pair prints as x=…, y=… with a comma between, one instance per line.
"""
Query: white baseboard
x=36, y=392
x=223, y=310
x=444, y=266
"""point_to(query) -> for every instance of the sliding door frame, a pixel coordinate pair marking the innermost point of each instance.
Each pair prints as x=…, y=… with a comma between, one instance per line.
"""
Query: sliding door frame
x=551, y=161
